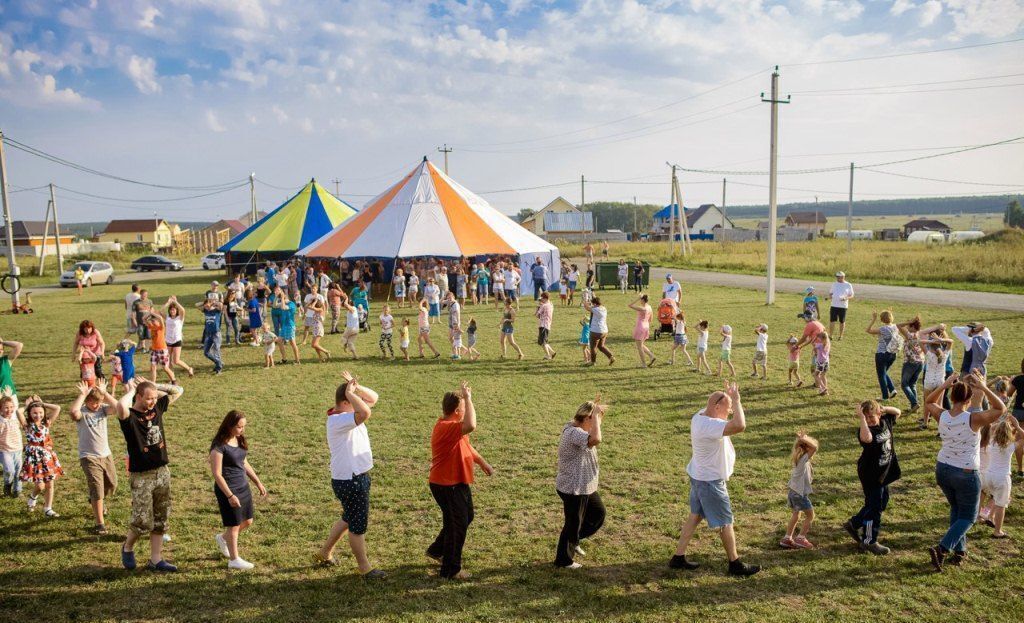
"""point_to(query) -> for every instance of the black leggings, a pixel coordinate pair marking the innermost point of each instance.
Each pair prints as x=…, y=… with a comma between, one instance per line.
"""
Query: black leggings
x=385, y=340
x=584, y=516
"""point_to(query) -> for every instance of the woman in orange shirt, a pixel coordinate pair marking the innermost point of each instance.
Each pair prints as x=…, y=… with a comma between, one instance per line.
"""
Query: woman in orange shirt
x=451, y=473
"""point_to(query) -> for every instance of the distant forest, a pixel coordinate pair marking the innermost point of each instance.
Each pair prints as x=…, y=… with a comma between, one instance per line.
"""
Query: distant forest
x=619, y=215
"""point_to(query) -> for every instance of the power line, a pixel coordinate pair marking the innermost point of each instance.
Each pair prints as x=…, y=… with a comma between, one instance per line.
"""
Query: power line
x=949, y=90
x=843, y=168
x=902, y=54
x=912, y=84
x=133, y=208
x=84, y=169
x=935, y=179
x=135, y=200
x=626, y=118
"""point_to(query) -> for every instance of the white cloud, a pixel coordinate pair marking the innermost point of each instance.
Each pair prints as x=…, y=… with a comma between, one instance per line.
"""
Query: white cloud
x=899, y=7
x=148, y=17
x=990, y=18
x=142, y=71
x=929, y=11
x=280, y=115
x=213, y=123
x=22, y=84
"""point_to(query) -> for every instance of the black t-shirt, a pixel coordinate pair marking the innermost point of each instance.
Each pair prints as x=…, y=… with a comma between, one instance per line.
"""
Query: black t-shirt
x=878, y=464
x=1018, y=396
x=144, y=435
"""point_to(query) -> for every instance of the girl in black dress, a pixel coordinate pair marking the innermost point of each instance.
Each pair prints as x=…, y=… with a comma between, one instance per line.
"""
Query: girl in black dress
x=231, y=475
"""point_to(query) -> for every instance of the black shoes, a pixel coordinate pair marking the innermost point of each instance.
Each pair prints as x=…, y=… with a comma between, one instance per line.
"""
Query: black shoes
x=740, y=568
x=680, y=562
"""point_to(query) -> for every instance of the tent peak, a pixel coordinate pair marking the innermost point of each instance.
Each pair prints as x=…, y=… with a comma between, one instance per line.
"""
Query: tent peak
x=312, y=180
x=424, y=158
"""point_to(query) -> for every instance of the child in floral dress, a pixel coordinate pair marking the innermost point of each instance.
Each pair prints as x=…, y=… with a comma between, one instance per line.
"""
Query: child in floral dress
x=40, y=464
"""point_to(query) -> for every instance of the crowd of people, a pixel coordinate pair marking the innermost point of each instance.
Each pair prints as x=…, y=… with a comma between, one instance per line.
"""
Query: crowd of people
x=980, y=430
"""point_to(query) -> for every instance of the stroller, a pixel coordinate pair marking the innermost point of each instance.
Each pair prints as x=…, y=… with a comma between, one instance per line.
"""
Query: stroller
x=666, y=313
x=364, y=320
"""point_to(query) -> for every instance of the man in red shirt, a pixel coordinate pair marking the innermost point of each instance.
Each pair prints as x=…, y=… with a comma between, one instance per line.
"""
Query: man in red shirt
x=811, y=330
x=451, y=473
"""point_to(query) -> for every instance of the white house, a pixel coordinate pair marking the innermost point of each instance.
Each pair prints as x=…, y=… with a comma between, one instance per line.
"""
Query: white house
x=700, y=221
x=559, y=217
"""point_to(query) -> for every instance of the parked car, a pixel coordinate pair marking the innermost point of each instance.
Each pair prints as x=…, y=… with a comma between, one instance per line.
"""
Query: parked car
x=156, y=262
x=95, y=273
x=213, y=261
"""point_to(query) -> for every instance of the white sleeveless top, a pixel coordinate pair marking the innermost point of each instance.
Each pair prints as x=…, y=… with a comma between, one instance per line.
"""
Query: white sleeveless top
x=960, y=445
x=999, y=460
x=173, y=325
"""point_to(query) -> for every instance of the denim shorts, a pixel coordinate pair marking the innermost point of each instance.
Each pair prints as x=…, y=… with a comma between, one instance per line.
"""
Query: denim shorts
x=710, y=500
x=799, y=502
x=354, y=496
x=679, y=339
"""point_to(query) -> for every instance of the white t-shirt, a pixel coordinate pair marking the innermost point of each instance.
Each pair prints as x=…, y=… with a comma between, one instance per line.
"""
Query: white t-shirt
x=599, y=320
x=433, y=293
x=671, y=290
x=352, y=320
x=454, y=314
x=623, y=271
x=308, y=302
x=762, y=343
x=727, y=342
x=387, y=323
x=838, y=291
x=999, y=460
x=282, y=278
x=678, y=326
x=325, y=281
x=935, y=368
x=173, y=326
x=414, y=282
x=510, y=280
x=129, y=300
x=702, y=339
x=713, y=455
x=349, y=444
x=238, y=288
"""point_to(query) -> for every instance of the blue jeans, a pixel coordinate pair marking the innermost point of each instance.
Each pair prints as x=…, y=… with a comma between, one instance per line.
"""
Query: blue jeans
x=962, y=489
x=539, y=285
x=876, y=499
x=883, y=361
x=233, y=320
x=211, y=350
x=11, y=462
x=908, y=380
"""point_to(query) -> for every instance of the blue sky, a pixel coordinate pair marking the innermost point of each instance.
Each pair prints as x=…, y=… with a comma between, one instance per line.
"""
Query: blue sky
x=529, y=93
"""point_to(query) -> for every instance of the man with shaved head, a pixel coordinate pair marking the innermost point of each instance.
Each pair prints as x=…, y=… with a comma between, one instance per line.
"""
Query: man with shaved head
x=709, y=469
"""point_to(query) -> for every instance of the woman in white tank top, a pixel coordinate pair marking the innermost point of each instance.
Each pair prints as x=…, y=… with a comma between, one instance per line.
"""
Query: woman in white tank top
x=174, y=321
x=956, y=468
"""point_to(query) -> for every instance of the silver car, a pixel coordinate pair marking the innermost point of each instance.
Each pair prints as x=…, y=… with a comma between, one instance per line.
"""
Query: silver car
x=94, y=273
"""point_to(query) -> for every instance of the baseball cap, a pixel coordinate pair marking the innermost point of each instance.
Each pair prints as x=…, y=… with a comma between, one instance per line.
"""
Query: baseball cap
x=763, y=327
x=809, y=289
x=668, y=276
x=840, y=274
x=214, y=283
x=726, y=328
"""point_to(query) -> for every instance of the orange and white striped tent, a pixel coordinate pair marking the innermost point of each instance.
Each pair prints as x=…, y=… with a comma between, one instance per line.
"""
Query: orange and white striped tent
x=428, y=214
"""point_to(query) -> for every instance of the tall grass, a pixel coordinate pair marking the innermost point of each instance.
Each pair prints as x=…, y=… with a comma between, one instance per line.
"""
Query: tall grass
x=994, y=263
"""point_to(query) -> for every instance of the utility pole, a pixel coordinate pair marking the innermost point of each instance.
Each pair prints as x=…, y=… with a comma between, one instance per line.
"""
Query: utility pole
x=672, y=212
x=634, y=215
x=56, y=230
x=773, y=172
x=12, y=264
x=337, y=188
x=685, y=244
x=583, y=205
x=849, y=224
x=252, y=199
x=445, y=150
x=723, y=212
x=46, y=234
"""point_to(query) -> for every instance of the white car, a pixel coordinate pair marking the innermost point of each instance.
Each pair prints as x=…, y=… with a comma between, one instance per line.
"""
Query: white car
x=214, y=261
x=94, y=273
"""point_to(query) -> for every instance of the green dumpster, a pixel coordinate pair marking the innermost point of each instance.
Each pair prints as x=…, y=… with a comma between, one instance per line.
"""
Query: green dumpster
x=608, y=274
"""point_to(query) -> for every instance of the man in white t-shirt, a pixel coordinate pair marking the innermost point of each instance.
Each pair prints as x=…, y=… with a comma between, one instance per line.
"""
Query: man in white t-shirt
x=351, y=462
x=432, y=293
x=672, y=290
x=709, y=469
x=129, y=301
x=841, y=295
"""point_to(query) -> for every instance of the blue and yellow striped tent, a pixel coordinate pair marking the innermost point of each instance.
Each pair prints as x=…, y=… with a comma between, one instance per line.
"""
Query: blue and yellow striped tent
x=298, y=222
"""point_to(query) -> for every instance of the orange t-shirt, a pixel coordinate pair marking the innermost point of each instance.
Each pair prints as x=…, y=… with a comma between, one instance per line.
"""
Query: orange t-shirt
x=156, y=331
x=452, y=455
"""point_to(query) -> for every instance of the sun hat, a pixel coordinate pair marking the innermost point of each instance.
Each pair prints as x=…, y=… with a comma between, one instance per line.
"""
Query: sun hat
x=763, y=327
x=726, y=328
x=214, y=283
x=840, y=274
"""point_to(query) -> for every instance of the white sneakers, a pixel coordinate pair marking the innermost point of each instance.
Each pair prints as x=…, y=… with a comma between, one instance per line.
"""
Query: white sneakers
x=575, y=565
x=222, y=545
x=240, y=565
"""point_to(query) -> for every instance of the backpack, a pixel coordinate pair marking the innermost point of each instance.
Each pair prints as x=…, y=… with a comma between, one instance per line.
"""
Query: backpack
x=666, y=311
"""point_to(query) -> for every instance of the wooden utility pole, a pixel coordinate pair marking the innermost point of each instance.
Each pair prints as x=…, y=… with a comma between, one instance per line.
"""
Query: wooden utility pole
x=583, y=206
x=445, y=150
x=773, y=172
x=46, y=234
x=12, y=264
x=723, y=212
x=849, y=224
x=686, y=245
x=672, y=212
x=337, y=188
x=56, y=230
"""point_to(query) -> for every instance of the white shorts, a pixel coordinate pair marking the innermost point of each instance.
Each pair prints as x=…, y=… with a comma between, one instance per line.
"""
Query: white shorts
x=998, y=487
x=404, y=344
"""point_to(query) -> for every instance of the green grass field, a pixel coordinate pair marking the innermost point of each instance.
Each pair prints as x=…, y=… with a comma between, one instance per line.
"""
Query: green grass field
x=56, y=571
x=995, y=264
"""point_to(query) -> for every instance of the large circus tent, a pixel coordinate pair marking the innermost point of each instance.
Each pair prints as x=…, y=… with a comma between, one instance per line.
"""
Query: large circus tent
x=300, y=220
x=428, y=214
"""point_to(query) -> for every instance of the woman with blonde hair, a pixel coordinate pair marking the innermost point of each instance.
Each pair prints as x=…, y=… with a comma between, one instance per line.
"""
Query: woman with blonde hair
x=889, y=343
x=576, y=482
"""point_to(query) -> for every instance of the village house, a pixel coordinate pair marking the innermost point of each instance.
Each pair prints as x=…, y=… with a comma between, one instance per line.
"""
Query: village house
x=811, y=221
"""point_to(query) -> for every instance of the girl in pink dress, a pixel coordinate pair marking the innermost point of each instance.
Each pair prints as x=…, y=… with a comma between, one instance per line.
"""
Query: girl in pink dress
x=642, y=330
